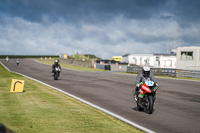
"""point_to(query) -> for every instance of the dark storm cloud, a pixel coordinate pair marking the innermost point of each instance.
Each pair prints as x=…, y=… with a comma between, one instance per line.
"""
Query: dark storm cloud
x=95, y=10
x=184, y=11
x=101, y=10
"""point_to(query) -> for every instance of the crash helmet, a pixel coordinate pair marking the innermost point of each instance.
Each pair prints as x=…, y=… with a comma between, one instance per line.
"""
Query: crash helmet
x=146, y=71
x=56, y=62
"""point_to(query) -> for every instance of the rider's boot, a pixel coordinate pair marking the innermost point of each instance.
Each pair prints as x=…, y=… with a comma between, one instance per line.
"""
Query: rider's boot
x=136, y=96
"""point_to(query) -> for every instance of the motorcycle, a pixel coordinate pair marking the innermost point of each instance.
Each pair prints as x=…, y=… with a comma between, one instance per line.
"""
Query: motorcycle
x=57, y=73
x=147, y=97
x=7, y=60
x=17, y=62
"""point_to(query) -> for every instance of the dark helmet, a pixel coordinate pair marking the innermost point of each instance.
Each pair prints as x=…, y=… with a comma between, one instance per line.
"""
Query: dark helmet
x=146, y=71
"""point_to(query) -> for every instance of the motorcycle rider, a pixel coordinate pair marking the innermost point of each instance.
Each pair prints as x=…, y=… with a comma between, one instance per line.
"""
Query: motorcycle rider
x=56, y=64
x=145, y=75
x=7, y=59
x=17, y=61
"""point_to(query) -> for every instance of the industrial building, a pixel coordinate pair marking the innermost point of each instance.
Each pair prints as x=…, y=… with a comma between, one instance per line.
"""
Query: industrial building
x=152, y=60
x=188, y=58
x=180, y=58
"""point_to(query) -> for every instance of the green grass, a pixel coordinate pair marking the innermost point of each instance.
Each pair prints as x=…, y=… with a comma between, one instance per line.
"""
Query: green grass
x=86, y=56
x=41, y=109
x=71, y=66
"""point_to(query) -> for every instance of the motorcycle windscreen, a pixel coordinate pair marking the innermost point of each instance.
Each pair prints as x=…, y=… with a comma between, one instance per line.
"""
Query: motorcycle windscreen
x=146, y=88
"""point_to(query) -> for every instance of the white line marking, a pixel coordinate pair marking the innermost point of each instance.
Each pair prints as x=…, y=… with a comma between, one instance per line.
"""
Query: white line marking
x=86, y=102
x=5, y=67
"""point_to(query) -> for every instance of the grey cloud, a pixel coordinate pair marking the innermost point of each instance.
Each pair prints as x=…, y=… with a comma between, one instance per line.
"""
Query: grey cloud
x=113, y=38
x=101, y=27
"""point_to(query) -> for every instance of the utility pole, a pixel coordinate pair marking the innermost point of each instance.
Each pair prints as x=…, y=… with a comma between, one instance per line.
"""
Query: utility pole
x=174, y=42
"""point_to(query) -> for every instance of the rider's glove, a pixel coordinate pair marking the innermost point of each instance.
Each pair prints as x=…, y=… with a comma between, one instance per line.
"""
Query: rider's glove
x=138, y=85
x=157, y=84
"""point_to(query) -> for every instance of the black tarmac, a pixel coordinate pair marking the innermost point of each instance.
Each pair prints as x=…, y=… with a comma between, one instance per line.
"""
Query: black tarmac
x=177, y=107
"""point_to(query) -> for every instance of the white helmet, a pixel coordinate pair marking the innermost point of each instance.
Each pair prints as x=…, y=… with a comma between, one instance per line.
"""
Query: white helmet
x=56, y=61
x=146, y=71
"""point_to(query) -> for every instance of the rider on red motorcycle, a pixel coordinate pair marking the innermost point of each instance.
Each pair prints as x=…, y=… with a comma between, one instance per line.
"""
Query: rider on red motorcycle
x=141, y=78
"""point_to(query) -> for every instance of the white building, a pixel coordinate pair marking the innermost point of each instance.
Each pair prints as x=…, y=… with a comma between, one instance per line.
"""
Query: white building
x=153, y=60
x=138, y=59
x=165, y=60
x=188, y=58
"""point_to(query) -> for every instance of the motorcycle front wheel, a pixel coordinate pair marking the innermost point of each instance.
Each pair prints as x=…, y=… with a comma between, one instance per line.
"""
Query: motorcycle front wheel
x=56, y=76
x=139, y=108
x=149, y=104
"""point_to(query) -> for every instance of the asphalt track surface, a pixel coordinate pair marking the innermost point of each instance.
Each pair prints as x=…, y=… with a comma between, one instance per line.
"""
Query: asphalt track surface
x=177, y=107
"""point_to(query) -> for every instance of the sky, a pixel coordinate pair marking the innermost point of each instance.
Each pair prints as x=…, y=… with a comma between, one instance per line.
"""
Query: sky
x=104, y=28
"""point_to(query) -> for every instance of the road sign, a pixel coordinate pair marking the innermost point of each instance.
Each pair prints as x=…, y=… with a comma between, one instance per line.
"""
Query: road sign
x=17, y=85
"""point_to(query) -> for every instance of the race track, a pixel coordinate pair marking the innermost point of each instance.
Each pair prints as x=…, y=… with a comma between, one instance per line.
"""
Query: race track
x=177, y=107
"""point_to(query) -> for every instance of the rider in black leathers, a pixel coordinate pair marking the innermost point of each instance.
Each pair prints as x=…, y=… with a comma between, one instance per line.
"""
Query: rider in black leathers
x=56, y=64
x=145, y=75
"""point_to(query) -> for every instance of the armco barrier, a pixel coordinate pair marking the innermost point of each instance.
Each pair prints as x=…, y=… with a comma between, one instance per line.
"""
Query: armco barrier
x=167, y=72
x=103, y=66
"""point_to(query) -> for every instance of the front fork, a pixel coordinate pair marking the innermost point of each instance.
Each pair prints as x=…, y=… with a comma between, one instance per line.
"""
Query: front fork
x=143, y=99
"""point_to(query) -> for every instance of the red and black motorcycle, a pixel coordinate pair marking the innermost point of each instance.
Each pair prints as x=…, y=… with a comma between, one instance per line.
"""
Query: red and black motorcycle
x=147, y=96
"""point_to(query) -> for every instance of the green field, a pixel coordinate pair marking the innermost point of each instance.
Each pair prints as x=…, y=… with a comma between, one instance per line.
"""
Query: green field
x=40, y=109
x=71, y=66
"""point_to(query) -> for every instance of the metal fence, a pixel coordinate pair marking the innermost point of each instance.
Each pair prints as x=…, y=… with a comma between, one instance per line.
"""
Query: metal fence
x=168, y=72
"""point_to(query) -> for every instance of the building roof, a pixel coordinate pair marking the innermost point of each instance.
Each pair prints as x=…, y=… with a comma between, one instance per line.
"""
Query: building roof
x=141, y=54
x=190, y=47
x=164, y=54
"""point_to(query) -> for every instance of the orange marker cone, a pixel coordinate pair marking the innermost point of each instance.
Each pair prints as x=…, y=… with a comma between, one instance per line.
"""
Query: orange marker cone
x=120, y=68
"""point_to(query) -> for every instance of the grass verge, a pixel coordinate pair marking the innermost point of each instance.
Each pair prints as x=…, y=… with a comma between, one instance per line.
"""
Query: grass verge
x=71, y=66
x=41, y=109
